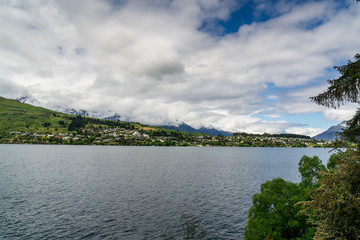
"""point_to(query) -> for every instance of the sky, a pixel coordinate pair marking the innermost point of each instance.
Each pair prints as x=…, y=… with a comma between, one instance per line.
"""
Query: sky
x=240, y=66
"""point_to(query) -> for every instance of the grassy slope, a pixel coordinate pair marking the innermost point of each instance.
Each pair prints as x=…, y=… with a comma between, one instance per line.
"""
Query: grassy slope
x=16, y=116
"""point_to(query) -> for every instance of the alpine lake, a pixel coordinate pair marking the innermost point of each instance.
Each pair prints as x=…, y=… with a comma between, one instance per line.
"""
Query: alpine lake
x=108, y=192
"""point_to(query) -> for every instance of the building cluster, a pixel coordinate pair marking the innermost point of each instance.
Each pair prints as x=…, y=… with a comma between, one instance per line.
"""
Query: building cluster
x=140, y=137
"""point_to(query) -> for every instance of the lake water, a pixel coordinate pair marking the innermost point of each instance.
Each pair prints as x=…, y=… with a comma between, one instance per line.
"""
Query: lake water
x=104, y=192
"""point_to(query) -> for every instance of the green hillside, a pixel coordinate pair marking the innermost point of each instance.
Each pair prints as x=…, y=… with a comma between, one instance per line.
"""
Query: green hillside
x=16, y=116
x=22, y=123
x=22, y=117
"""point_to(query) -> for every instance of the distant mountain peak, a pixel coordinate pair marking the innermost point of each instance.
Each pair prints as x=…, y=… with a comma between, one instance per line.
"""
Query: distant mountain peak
x=332, y=133
x=28, y=99
x=183, y=127
x=81, y=112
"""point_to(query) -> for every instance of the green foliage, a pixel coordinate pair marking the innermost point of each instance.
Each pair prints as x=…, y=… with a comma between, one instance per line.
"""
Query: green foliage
x=277, y=213
x=309, y=167
x=352, y=132
x=341, y=90
x=335, y=204
x=77, y=123
x=46, y=124
x=333, y=161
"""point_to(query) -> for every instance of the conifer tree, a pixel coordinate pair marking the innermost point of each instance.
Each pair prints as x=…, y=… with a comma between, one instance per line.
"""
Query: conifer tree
x=335, y=204
x=344, y=89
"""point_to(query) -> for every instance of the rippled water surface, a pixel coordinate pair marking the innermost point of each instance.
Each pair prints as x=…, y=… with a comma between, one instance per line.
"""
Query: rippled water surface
x=101, y=192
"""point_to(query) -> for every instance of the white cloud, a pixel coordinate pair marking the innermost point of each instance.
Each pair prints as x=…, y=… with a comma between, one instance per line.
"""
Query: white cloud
x=343, y=114
x=9, y=89
x=305, y=131
x=301, y=103
x=273, y=116
x=273, y=97
x=148, y=61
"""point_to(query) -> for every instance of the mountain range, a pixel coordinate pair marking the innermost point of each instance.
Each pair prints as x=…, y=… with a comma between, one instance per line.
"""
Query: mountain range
x=77, y=112
x=183, y=127
x=328, y=135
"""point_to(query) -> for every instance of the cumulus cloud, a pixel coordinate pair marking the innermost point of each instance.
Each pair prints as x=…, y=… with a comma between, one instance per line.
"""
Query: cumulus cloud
x=9, y=89
x=301, y=104
x=305, y=131
x=151, y=61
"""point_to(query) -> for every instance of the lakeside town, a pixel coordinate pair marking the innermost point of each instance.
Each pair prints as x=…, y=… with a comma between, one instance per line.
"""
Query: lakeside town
x=26, y=124
x=153, y=137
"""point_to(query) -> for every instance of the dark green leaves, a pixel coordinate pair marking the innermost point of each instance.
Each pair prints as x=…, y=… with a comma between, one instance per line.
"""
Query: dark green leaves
x=343, y=89
x=275, y=214
x=335, y=203
x=309, y=167
x=346, y=88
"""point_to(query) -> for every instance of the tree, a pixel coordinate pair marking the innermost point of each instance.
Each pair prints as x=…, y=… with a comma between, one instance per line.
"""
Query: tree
x=46, y=124
x=76, y=123
x=61, y=123
x=333, y=161
x=309, y=167
x=335, y=203
x=277, y=213
x=344, y=89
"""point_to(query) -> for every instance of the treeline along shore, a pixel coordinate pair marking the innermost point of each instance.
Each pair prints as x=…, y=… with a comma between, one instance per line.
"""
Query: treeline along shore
x=22, y=123
x=148, y=136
